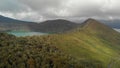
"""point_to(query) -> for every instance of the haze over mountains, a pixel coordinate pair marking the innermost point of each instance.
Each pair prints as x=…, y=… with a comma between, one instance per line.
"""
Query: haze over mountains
x=113, y=23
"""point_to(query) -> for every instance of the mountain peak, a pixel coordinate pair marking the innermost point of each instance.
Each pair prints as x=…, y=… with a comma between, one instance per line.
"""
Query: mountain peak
x=93, y=23
x=90, y=20
x=94, y=26
x=57, y=21
x=90, y=23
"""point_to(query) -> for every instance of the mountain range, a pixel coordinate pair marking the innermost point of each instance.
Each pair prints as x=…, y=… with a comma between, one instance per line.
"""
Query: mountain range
x=89, y=45
x=50, y=26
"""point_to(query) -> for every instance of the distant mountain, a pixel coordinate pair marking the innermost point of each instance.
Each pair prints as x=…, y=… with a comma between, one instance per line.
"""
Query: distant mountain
x=113, y=24
x=10, y=20
x=55, y=26
x=9, y=24
x=50, y=26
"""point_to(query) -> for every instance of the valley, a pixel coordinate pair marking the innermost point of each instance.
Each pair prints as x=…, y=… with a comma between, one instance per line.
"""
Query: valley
x=86, y=46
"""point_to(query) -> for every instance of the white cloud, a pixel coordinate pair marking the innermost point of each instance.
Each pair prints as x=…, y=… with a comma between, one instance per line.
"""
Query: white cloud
x=37, y=10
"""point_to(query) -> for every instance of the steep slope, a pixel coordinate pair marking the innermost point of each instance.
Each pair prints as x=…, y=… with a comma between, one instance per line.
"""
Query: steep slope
x=102, y=31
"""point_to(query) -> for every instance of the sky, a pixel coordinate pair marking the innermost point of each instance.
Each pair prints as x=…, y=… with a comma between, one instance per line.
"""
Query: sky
x=40, y=10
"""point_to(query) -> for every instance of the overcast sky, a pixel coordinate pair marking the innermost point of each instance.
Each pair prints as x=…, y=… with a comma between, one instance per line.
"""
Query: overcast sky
x=40, y=10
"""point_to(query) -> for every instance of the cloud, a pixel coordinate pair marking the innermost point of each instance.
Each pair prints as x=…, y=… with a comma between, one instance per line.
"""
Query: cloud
x=39, y=10
x=11, y=6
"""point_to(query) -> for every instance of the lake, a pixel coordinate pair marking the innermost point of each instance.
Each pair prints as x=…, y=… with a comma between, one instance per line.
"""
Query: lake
x=23, y=33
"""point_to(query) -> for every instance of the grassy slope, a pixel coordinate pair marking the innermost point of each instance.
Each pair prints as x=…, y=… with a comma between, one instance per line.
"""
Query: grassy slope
x=91, y=43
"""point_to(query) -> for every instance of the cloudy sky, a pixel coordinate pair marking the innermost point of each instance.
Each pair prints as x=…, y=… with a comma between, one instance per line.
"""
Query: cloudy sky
x=40, y=10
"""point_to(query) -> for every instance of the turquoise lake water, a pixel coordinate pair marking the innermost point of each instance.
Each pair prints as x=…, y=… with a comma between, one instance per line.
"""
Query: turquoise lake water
x=20, y=33
x=23, y=33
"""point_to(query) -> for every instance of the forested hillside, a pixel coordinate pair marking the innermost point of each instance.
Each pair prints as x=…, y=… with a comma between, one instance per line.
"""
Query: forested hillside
x=26, y=53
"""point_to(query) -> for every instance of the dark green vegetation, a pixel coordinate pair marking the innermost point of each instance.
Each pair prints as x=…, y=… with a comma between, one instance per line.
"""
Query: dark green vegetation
x=28, y=53
x=92, y=45
x=50, y=26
